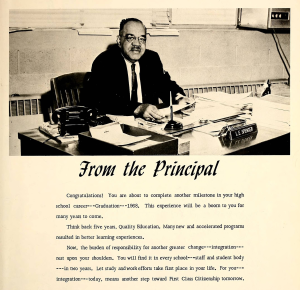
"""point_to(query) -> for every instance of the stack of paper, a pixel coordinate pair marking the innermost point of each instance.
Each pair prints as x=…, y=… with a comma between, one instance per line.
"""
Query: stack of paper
x=265, y=113
x=218, y=106
x=212, y=129
x=112, y=133
x=271, y=114
x=129, y=120
x=218, y=112
x=226, y=99
x=52, y=131
x=176, y=108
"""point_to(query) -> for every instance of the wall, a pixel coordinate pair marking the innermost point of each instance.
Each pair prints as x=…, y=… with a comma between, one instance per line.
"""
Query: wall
x=195, y=57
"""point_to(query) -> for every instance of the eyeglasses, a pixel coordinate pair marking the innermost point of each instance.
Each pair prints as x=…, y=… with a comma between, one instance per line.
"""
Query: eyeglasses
x=132, y=38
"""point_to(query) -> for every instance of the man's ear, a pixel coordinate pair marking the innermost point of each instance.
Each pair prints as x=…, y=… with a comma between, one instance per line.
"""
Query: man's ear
x=119, y=40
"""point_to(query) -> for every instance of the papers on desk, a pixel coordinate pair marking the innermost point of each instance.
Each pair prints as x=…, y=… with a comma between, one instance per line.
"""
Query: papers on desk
x=112, y=133
x=217, y=113
x=212, y=129
x=176, y=108
x=213, y=107
x=241, y=102
x=271, y=115
x=129, y=120
x=224, y=98
x=52, y=131
x=218, y=106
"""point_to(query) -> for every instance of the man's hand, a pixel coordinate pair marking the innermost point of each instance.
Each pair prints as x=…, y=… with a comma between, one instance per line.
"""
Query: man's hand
x=148, y=112
x=181, y=99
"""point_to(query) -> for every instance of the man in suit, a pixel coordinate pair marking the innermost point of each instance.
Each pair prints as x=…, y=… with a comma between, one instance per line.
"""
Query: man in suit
x=129, y=79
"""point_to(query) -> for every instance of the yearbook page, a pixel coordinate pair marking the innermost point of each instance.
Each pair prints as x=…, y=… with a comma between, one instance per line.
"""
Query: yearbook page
x=147, y=222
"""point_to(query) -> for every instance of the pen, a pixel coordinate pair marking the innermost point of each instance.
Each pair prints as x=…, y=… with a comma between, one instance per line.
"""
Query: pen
x=171, y=106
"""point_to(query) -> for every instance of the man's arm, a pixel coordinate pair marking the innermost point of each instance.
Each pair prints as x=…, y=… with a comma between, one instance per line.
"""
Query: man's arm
x=174, y=87
x=167, y=85
x=161, y=85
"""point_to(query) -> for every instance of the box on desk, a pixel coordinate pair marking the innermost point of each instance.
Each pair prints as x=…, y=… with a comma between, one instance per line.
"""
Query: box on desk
x=157, y=144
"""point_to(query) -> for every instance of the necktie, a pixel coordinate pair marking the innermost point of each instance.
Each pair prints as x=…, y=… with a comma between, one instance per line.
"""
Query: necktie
x=134, y=85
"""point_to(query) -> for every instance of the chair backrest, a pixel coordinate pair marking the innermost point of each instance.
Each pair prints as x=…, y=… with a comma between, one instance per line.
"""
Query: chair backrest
x=69, y=88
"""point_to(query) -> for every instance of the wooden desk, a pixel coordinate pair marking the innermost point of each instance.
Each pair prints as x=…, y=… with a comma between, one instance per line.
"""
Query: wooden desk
x=266, y=142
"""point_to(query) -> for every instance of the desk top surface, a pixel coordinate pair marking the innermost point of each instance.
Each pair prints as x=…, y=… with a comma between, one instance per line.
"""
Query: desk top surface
x=200, y=143
x=267, y=141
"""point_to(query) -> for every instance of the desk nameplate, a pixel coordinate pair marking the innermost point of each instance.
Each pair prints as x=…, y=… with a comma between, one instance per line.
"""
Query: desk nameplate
x=237, y=142
x=235, y=132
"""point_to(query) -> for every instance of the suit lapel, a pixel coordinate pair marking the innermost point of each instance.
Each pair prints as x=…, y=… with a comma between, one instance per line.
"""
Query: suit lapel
x=143, y=78
x=123, y=85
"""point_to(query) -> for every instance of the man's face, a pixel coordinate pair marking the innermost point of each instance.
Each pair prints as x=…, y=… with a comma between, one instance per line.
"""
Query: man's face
x=134, y=50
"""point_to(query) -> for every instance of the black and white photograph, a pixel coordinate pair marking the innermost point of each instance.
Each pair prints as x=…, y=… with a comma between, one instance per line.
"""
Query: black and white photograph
x=173, y=81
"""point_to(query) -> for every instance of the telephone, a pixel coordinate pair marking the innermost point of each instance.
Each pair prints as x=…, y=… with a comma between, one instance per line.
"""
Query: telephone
x=72, y=119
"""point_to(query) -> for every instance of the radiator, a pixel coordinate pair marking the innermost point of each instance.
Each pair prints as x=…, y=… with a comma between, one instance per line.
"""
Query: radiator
x=234, y=88
x=24, y=105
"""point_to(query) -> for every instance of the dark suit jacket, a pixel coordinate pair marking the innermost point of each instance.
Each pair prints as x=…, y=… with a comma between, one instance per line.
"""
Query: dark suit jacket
x=108, y=87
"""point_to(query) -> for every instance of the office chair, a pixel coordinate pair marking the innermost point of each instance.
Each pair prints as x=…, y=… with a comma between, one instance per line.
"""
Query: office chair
x=69, y=88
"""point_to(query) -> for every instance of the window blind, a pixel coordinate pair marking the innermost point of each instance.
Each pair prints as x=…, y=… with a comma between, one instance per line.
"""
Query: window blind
x=91, y=18
x=110, y=18
x=204, y=17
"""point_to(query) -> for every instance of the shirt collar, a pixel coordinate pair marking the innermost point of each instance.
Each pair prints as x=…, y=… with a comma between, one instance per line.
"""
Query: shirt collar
x=128, y=63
